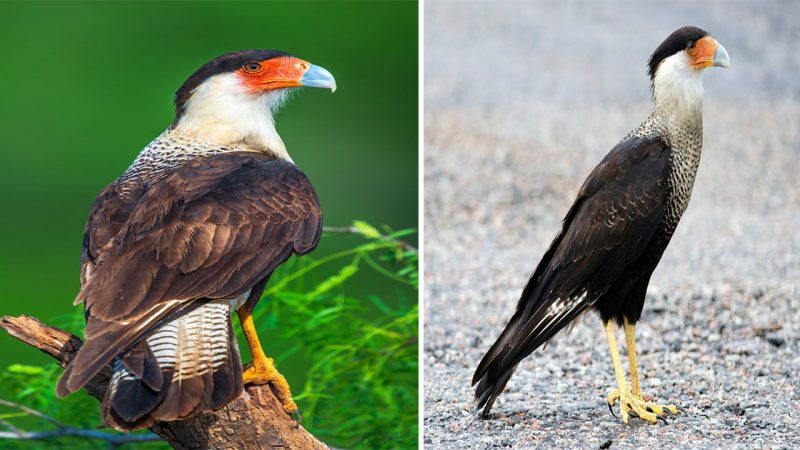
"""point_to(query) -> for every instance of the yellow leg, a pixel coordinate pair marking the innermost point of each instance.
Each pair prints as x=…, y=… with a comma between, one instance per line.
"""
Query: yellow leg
x=630, y=401
x=263, y=370
x=621, y=393
x=630, y=339
x=611, y=334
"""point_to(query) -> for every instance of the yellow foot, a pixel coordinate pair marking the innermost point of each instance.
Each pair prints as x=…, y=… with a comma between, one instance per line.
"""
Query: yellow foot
x=262, y=373
x=630, y=403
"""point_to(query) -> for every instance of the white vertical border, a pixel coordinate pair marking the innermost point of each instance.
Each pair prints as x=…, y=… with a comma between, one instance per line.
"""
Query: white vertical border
x=421, y=220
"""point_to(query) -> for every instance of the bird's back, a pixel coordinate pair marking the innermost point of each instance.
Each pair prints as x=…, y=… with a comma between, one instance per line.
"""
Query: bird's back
x=168, y=253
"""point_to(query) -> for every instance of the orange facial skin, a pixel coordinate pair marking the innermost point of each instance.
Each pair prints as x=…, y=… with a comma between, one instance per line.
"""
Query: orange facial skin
x=274, y=73
x=703, y=54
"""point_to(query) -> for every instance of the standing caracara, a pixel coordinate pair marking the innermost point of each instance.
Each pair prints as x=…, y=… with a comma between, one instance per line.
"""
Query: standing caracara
x=616, y=231
x=190, y=232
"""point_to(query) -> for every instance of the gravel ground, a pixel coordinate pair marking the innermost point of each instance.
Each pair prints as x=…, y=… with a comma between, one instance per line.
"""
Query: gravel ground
x=522, y=100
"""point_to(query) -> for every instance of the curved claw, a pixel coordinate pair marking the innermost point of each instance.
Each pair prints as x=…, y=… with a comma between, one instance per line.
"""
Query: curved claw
x=611, y=410
x=634, y=406
x=297, y=418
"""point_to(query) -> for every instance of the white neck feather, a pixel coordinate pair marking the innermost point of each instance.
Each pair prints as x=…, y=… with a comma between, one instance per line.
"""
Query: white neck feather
x=678, y=90
x=220, y=111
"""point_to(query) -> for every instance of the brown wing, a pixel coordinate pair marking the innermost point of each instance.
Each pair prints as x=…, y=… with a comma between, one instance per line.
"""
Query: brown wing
x=613, y=220
x=210, y=229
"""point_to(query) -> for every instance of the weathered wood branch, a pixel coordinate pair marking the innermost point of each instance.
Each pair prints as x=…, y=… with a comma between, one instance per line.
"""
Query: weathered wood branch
x=255, y=420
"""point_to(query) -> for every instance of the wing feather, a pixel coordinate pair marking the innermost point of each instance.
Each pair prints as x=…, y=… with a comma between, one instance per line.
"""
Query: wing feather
x=256, y=203
x=615, y=216
x=210, y=229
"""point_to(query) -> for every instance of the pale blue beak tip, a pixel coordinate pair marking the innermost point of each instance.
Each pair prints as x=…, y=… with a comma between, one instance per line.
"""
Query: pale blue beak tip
x=318, y=77
x=721, y=58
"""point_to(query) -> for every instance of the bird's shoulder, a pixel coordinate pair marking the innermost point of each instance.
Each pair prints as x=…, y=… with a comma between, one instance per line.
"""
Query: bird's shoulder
x=236, y=182
x=230, y=188
x=633, y=163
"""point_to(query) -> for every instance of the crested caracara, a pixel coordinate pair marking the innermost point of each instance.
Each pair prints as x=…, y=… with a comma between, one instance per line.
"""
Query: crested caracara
x=613, y=236
x=189, y=233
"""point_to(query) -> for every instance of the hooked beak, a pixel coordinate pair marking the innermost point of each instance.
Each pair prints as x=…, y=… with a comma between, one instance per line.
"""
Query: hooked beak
x=316, y=76
x=721, y=57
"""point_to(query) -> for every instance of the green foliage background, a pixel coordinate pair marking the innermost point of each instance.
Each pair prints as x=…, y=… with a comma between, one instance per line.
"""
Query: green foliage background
x=86, y=85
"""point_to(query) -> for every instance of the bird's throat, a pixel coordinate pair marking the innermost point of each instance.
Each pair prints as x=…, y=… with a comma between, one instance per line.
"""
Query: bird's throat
x=219, y=113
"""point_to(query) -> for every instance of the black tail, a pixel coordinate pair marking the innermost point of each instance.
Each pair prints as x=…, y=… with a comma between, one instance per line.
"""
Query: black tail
x=525, y=332
x=188, y=366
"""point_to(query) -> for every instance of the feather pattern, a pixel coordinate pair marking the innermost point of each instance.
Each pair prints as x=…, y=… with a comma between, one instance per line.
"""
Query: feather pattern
x=198, y=360
x=164, y=254
x=610, y=229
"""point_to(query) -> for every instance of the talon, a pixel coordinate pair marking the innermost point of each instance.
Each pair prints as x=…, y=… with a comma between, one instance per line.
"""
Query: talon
x=298, y=419
x=631, y=400
x=633, y=406
x=613, y=396
x=264, y=372
x=610, y=409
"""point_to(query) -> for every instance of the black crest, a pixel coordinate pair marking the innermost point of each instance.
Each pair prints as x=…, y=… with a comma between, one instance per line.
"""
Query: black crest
x=221, y=64
x=677, y=41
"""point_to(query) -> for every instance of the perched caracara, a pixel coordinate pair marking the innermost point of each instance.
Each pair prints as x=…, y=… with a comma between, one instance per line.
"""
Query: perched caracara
x=190, y=232
x=617, y=229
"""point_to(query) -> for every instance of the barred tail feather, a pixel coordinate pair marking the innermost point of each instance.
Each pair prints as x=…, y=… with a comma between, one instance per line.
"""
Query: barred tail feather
x=198, y=360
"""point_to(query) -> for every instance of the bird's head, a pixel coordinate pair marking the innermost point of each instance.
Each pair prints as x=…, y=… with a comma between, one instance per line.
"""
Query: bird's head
x=233, y=97
x=677, y=64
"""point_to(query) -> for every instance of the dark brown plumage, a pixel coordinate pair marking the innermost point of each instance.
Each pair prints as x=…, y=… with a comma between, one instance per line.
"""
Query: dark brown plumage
x=211, y=229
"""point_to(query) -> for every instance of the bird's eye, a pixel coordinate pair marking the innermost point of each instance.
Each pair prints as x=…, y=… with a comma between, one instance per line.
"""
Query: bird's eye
x=252, y=67
x=691, y=47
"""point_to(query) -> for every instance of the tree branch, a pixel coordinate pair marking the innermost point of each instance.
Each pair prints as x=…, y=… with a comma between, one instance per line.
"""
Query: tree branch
x=255, y=420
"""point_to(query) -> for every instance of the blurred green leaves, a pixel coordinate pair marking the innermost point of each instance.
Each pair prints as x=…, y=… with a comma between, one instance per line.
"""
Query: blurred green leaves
x=361, y=352
x=363, y=377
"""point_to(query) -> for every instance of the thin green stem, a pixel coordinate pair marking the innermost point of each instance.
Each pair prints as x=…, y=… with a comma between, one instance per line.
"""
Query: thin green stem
x=374, y=264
